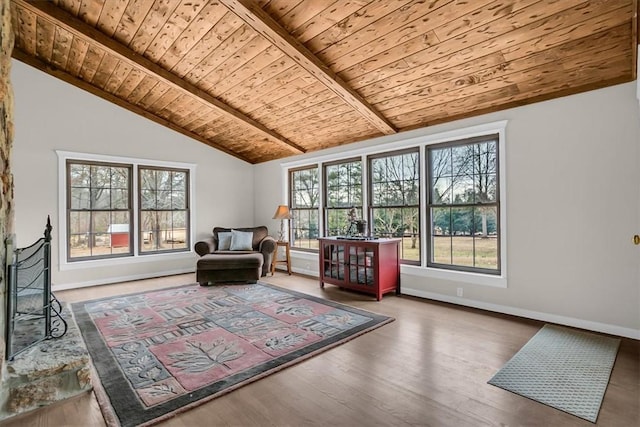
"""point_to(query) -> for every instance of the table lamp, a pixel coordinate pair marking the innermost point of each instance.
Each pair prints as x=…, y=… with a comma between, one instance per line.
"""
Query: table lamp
x=282, y=213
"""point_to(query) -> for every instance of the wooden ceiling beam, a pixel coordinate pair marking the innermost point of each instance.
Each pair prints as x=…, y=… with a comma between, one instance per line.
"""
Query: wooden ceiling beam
x=75, y=81
x=253, y=15
x=49, y=11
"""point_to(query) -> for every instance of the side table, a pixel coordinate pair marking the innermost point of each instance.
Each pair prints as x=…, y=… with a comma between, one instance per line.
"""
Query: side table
x=287, y=259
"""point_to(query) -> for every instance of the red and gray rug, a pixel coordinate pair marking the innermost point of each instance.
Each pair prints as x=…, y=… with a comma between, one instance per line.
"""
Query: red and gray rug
x=159, y=353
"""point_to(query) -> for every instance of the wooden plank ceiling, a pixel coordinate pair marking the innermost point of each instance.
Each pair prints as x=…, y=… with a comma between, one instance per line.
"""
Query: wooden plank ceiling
x=267, y=79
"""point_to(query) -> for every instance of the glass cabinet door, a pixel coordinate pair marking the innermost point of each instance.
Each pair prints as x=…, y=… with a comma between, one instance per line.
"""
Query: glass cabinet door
x=361, y=265
x=334, y=260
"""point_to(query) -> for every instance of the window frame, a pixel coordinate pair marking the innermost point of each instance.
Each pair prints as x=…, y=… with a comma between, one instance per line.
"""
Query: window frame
x=140, y=210
x=292, y=209
x=370, y=207
x=70, y=209
x=326, y=208
x=430, y=204
x=136, y=257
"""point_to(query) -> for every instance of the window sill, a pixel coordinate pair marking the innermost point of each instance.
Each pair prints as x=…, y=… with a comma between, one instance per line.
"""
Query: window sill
x=455, y=276
x=111, y=262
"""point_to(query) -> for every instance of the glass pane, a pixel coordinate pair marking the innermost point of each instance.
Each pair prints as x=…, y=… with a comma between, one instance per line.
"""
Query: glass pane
x=100, y=198
x=120, y=218
x=305, y=188
x=411, y=192
x=180, y=220
x=313, y=224
x=79, y=222
x=441, y=248
x=178, y=200
x=179, y=181
x=441, y=191
x=119, y=177
x=461, y=221
x=148, y=199
x=120, y=199
x=486, y=238
x=462, y=158
x=462, y=239
x=486, y=158
x=462, y=189
x=411, y=236
x=79, y=245
x=149, y=229
x=441, y=221
x=440, y=163
x=163, y=179
x=485, y=188
x=80, y=198
x=80, y=175
x=147, y=179
x=100, y=221
x=100, y=176
x=462, y=251
x=164, y=200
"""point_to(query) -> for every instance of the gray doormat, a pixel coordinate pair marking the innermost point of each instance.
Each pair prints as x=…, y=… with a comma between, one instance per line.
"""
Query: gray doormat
x=562, y=368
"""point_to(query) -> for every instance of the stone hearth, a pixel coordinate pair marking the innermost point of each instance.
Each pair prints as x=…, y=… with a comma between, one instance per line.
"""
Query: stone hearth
x=50, y=371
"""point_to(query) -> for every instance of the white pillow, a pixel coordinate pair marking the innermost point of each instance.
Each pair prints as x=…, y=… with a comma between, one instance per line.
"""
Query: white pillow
x=224, y=240
x=241, y=240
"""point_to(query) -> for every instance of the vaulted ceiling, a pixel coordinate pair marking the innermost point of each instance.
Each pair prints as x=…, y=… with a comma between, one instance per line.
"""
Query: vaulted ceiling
x=267, y=79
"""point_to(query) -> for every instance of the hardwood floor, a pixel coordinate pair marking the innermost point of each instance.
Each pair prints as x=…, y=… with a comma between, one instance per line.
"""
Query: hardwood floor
x=429, y=368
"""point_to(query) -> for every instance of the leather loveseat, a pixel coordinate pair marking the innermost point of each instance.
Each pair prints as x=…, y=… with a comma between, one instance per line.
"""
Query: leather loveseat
x=234, y=255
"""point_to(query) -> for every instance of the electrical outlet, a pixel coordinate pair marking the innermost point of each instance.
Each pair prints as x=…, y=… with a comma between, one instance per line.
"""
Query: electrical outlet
x=460, y=292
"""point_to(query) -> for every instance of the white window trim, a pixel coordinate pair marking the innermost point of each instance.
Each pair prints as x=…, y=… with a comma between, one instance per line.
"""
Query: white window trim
x=64, y=264
x=392, y=143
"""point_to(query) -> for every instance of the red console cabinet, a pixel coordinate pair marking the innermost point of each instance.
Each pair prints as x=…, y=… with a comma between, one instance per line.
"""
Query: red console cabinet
x=370, y=266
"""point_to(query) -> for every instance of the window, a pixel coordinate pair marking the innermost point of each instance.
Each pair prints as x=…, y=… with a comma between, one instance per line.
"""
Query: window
x=304, y=201
x=343, y=191
x=164, y=209
x=463, y=205
x=99, y=210
x=116, y=207
x=394, y=195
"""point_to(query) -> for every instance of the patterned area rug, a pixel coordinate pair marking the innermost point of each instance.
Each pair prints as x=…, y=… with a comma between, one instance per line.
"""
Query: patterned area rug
x=562, y=368
x=159, y=353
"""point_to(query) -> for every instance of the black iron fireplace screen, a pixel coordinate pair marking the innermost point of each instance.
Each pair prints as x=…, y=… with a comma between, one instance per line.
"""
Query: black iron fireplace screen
x=33, y=313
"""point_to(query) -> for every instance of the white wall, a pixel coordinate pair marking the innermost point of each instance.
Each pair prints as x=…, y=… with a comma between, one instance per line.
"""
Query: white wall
x=53, y=115
x=573, y=173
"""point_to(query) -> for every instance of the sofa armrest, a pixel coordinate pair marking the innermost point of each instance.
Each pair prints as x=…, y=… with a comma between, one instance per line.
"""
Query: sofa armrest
x=268, y=248
x=206, y=246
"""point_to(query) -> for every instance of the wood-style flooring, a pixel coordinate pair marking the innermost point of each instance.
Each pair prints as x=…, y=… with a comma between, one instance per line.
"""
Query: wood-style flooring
x=428, y=368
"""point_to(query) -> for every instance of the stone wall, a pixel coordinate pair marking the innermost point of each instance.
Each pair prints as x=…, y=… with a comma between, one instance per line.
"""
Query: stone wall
x=6, y=139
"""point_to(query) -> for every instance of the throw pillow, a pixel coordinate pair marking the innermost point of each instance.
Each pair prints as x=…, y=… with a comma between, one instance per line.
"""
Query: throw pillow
x=241, y=240
x=224, y=240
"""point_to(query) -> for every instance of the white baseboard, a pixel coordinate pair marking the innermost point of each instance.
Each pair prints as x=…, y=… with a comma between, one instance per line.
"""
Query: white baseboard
x=111, y=280
x=529, y=314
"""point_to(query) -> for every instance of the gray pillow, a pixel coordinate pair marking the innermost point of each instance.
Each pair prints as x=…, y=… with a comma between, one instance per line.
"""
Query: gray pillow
x=241, y=240
x=224, y=240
